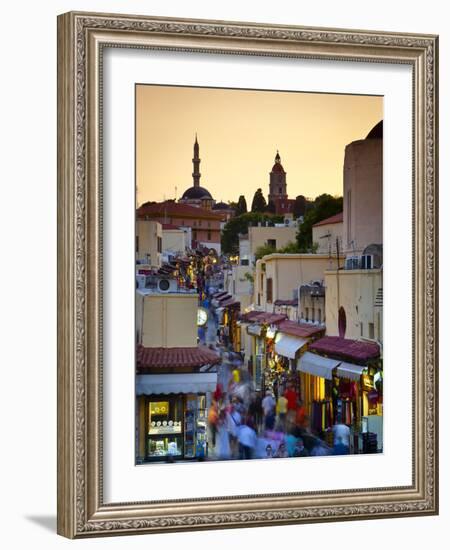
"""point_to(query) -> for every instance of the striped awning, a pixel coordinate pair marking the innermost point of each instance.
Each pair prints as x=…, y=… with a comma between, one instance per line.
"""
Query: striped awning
x=317, y=365
x=288, y=346
x=350, y=371
x=153, y=384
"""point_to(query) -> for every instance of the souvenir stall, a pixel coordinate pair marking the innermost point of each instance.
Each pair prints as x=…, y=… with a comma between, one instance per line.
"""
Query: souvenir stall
x=316, y=382
x=355, y=400
x=173, y=423
x=255, y=330
x=174, y=388
x=230, y=320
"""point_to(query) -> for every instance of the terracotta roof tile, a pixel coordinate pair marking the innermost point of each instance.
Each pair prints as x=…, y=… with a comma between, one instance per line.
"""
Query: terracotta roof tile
x=169, y=208
x=337, y=218
x=174, y=357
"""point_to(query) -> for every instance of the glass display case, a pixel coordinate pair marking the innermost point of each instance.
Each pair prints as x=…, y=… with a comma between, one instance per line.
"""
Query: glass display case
x=165, y=427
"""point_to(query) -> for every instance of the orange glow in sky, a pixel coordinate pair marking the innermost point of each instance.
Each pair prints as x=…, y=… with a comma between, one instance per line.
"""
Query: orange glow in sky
x=239, y=133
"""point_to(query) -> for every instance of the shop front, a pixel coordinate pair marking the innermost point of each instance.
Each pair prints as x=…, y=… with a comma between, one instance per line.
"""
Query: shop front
x=346, y=389
x=172, y=415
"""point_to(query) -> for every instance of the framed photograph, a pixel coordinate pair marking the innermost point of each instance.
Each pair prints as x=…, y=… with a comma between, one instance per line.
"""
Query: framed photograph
x=247, y=284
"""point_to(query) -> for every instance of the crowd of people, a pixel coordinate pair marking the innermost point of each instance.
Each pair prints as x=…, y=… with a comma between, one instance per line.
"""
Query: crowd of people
x=245, y=424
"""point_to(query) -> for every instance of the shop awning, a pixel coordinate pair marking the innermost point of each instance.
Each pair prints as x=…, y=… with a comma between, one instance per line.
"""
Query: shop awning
x=153, y=384
x=317, y=365
x=254, y=329
x=350, y=371
x=288, y=346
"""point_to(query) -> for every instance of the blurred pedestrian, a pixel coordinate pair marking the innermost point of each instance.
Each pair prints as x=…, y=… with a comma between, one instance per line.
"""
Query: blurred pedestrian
x=268, y=406
x=341, y=434
x=281, y=451
x=247, y=441
x=223, y=448
x=282, y=404
x=291, y=395
x=213, y=417
x=269, y=451
x=300, y=449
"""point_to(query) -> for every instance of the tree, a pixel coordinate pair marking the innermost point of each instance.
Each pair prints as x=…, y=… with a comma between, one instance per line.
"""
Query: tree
x=241, y=207
x=264, y=250
x=239, y=225
x=271, y=207
x=259, y=202
x=299, y=206
x=323, y=207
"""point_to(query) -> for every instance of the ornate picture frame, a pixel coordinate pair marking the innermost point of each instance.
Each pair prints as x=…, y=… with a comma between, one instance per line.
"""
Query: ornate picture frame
x=82, y=38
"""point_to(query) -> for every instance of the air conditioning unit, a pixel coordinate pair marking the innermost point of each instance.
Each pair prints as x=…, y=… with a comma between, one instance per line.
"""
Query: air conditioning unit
x=167, y=285
x=352, y=262
x=367, y=261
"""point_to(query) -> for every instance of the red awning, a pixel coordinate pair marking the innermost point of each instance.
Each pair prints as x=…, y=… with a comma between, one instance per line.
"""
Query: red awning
x=301, y=330
x=352, y=350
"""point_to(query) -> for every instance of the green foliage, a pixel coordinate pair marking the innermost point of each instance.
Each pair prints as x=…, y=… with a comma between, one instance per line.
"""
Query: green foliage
x=323, y=207
x=290, y=248
x=264, y=250
x=249, y=277
x=239, y=225
x=259, y=202
x=300, y=206
x=241, y=207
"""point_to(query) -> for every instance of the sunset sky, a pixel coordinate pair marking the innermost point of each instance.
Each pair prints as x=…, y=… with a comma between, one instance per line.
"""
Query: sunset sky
x=239, y=133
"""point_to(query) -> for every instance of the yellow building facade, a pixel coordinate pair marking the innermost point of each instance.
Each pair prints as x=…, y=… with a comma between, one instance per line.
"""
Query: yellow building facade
x=166, y=320
x=278, y=276
x=149, y=242
x=357, y=294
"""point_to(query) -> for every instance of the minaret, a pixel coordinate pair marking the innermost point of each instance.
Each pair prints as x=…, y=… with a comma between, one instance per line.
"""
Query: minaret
x=196, y=163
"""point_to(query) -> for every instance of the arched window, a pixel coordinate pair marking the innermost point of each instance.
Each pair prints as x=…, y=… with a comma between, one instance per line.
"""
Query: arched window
x=342, y=322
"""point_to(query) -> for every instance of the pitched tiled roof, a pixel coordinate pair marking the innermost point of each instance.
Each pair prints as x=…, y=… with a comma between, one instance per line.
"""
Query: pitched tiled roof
x=263, y=317
x=174, y=209
x=174, y=357
x=230, y=302
x=337, y=218
x=286, y=302
x=302, y=330
x=343, y=348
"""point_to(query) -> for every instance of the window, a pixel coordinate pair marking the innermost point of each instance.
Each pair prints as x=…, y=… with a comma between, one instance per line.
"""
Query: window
x=349, y=217
x=272, y=243
x=194, y=234
x=209, y=235
x=269, y=290
x=319, y=315
x=313, y=314
x=159, y=240
x=342, y=322
x=280, y=190
x=200, y=223
x=371, y=331
x=362, y=328
x=307, y=314
x=137, y=243
x=209, y=224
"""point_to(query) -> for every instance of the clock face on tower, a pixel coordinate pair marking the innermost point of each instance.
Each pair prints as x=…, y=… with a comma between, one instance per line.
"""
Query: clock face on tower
x=202, y=316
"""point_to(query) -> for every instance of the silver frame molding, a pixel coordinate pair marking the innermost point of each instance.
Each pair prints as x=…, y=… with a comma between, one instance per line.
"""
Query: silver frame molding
x=81, y=39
